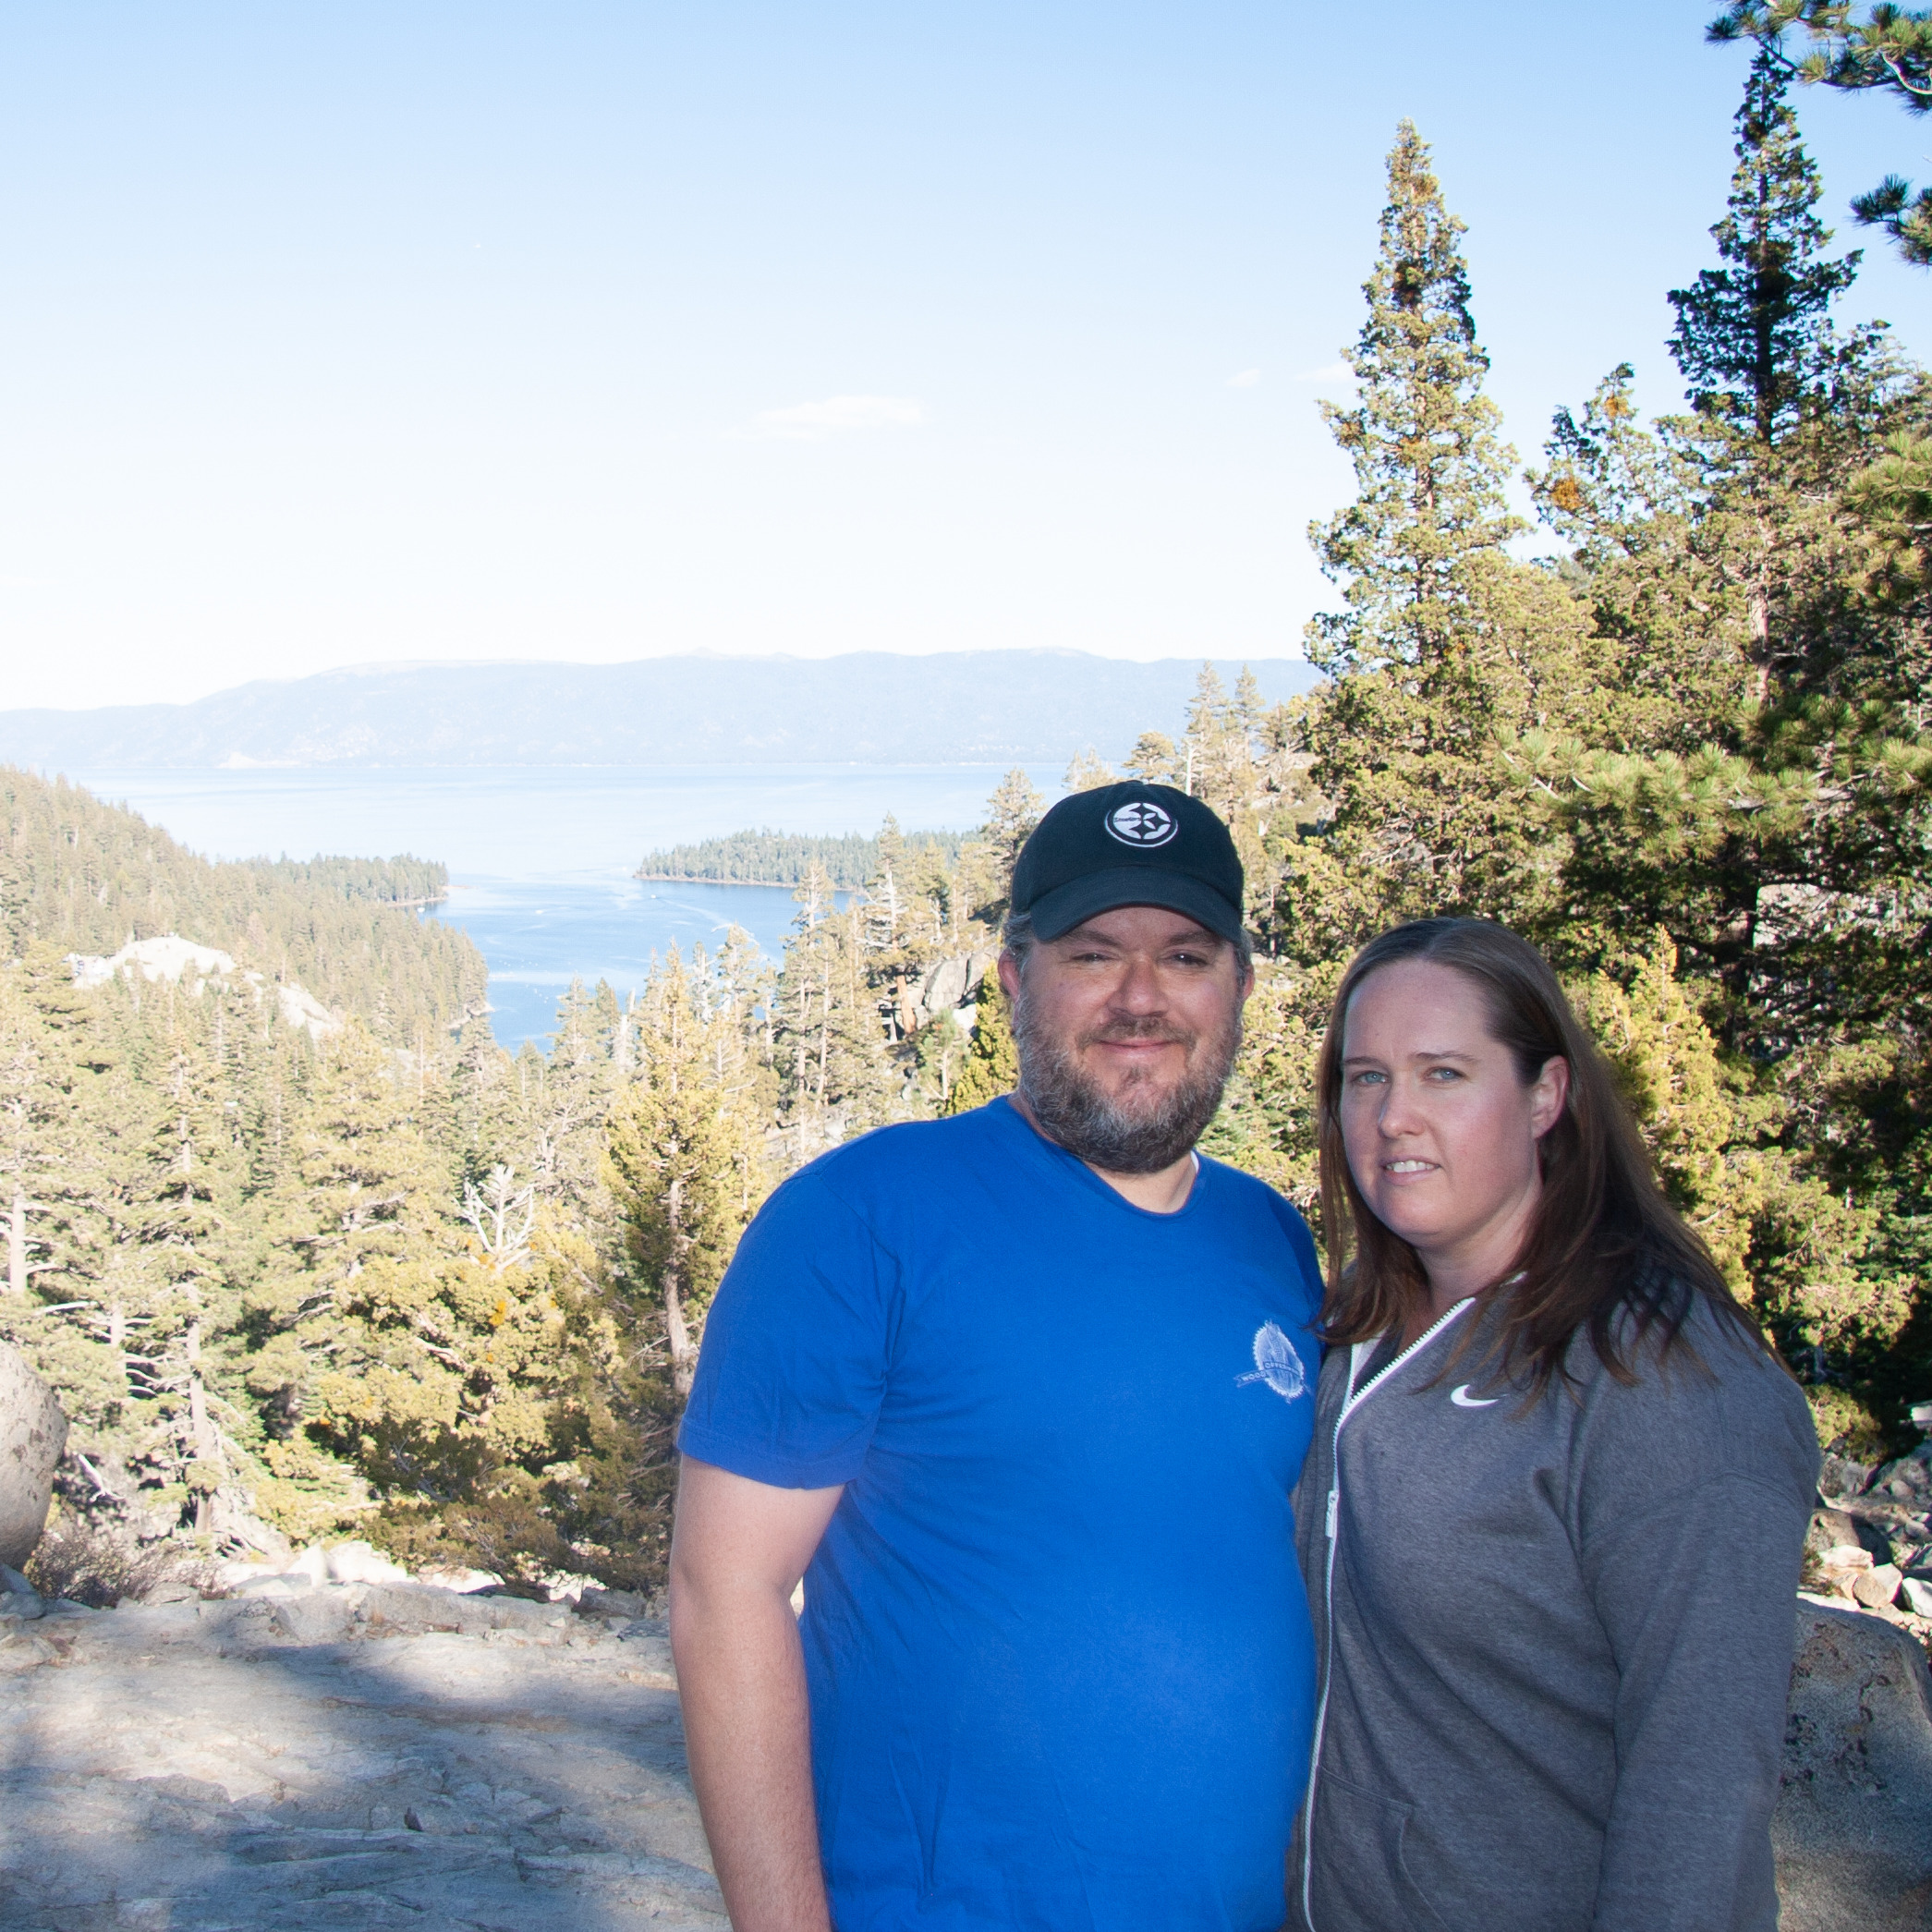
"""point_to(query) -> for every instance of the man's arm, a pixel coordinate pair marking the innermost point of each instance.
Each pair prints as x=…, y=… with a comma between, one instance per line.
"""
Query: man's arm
x=737, y=1552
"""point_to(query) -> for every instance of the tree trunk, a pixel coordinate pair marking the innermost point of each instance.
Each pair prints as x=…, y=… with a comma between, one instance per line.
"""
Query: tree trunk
x=1761, y=618
x=684, y=1357
x=207, y=1450
x=17, y=1246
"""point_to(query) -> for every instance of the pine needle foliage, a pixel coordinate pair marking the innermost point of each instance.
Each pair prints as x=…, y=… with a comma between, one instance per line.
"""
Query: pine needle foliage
x=1429, y=464
x=1889, y=51
x=1754, y=337
x=991, y=1063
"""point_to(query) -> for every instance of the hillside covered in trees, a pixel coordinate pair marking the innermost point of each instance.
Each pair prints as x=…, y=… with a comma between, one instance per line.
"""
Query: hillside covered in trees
x=398, y=1279
x=81, y=876
x=391, y=1277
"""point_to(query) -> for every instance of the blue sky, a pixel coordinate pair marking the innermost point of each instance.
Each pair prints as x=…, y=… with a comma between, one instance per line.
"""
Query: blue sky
x=331, y=334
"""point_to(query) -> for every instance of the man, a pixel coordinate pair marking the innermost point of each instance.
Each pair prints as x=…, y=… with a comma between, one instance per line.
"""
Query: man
x=1022, y=1395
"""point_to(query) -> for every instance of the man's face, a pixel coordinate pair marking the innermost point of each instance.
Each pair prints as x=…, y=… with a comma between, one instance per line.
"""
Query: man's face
x=1127, y=1028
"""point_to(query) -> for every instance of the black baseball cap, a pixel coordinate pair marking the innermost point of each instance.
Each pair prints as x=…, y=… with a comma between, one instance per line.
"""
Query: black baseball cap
x=1128, y=844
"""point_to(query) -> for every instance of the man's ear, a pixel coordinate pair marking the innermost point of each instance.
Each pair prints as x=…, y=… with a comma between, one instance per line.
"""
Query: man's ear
x=1010, y=975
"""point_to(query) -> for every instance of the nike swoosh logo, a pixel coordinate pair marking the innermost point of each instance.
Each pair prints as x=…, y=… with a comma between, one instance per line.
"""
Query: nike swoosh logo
x=1464, y=1400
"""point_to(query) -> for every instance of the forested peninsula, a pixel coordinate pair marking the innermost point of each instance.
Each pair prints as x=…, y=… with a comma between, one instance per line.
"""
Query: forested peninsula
x=768, y=857
x=385, y=1275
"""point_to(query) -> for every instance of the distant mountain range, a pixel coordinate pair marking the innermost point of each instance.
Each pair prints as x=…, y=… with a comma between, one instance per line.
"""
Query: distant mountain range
x=968, y=706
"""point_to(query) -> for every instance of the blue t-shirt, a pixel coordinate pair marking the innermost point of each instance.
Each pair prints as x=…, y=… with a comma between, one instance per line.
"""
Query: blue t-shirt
x=1058, y=1651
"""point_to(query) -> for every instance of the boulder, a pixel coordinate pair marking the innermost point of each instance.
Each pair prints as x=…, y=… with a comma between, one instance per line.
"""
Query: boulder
x=1906, y=1481
x=1830, y=1529
x=947, y=984
x=464, y=1581
x=361, y=1563
x=1839, y=1477
x=33, y=1432
x=1876, y=1587
x=18, y=1598
x=310, y=1570
x=1853, y=1826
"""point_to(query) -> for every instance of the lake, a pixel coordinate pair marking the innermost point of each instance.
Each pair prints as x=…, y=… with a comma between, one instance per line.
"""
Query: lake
x=540, y=857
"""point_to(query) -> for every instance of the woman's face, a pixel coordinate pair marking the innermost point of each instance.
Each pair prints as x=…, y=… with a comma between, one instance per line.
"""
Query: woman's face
x=1440, y=1133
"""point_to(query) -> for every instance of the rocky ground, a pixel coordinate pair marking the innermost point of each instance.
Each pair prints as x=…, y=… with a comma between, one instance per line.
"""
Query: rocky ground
x=1853, y=1826
x=1871, y=1539
x=336, y=1746
x=353, y=1756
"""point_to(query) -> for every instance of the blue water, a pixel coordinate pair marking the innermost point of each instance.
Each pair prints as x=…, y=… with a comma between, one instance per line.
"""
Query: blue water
x=540, y=857
x=538, y=937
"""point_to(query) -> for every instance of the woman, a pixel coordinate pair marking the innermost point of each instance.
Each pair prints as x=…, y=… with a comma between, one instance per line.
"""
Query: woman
x=1552, y=1519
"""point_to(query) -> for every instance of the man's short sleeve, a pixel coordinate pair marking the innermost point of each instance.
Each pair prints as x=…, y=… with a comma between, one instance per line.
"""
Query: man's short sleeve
x=792, y=1371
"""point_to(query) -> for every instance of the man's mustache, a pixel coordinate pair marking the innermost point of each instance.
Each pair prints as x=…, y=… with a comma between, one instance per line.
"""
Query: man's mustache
x=1139, y=1032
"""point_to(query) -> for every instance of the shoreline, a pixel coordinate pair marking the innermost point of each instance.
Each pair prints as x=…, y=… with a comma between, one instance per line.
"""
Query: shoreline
x=699, y=878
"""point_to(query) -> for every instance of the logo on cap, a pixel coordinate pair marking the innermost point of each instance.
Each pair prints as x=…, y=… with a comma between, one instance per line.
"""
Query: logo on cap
x=1142, y=822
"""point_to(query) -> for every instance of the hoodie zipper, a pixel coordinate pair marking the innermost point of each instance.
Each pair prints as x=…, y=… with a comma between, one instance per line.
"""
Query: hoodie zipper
x=1352, y=1398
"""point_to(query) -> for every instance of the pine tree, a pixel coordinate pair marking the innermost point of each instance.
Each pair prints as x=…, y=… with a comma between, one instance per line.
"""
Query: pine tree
x=1890, y=51
x=363, y=1184
x=1015, y=809
x=1692, y=1110
x=1430, y=466
x=1766, y=802
x=1755, y=338
x=1087, y=771
x=1892, y=500
x=1445, y=641
x=833, y=1038
x=685, y=1156
x=564, y=1099
x=35, y=1121
x=992, y=1065
x=1630, y=500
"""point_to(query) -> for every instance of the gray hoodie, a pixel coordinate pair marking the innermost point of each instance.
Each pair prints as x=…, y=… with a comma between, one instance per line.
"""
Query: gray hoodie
x=1554, y=1647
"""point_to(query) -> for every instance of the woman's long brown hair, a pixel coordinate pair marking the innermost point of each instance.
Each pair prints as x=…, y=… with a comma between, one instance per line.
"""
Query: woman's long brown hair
x=1605, y=1251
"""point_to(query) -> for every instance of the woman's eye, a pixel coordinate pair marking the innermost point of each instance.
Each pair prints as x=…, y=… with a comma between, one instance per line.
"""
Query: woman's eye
x=1369, y=1080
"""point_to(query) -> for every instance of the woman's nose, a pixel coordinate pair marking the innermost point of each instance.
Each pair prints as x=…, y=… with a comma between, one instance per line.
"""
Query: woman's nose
x=1398, y=1109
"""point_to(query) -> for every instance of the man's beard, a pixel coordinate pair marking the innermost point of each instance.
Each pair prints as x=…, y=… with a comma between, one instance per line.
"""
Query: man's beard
x=1114, y=1136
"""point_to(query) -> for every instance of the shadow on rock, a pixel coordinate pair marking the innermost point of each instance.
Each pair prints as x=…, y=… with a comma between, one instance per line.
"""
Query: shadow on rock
x=369, y=1756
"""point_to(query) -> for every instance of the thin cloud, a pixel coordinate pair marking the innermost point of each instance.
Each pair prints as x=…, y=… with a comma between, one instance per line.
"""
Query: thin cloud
x=836, y=416
x=1245, y=380
x=1328, y=372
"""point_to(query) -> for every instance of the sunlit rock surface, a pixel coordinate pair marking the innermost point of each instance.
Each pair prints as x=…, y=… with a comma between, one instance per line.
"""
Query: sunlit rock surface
x=352, y=1756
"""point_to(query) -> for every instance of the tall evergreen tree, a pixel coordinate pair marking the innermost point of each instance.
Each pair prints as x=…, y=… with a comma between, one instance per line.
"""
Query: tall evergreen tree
x=1767, y=816
x=990, y=1065
x=1429, y=466
x=685, y=1154
x=1444, y=639
x=1015, y=809
x=1755, y=338
x=1889, y=51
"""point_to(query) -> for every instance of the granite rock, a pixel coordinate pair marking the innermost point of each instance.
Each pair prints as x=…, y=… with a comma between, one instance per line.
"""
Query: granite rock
x=1854, y=1826
x=33, y=1433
